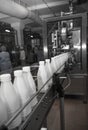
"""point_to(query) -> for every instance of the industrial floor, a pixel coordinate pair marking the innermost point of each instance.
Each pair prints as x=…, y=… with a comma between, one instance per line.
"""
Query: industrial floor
x=76, y=115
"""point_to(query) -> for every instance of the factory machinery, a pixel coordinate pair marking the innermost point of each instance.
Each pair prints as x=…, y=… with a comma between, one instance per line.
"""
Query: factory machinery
x=66, y=34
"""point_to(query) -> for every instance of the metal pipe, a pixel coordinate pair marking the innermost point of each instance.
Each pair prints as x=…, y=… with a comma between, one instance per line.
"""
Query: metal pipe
x=13, y=9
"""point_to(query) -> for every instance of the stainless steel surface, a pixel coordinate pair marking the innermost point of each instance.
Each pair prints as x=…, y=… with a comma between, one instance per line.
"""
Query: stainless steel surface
x=84, y=42
x=45, y=45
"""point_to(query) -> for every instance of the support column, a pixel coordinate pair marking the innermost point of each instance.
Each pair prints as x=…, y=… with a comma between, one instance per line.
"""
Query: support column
x=18, y=26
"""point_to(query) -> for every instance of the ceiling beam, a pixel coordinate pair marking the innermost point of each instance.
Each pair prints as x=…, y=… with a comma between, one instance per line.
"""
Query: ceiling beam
x=50, y=4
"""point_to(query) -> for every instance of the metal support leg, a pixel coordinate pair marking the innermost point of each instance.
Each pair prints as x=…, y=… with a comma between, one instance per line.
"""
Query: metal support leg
x=62, y=115
x=60, y=91
x=86, y=90
x=44, y=127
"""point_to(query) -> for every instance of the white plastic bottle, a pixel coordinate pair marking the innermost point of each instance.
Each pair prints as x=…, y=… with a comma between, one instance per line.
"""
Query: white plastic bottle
x=3, y=110
x=59, y=63
x=10, y=99
x=56, y=62
x=22, y=91
x=49, y=70
x=42, y=77
x=53, y=65
x=30, y=83
x=43, y=128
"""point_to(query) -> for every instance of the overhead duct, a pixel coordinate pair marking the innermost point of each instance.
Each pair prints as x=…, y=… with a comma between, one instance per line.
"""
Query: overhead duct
x=13, y=9
x=35, y=17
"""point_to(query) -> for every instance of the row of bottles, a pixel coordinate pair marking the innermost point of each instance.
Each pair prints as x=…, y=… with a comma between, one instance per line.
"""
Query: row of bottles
x=47, y=68
x=14, y=95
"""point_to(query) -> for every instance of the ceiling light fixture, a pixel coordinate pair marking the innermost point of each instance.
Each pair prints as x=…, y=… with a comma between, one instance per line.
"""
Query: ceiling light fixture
x=31, y=36
x=7, y=30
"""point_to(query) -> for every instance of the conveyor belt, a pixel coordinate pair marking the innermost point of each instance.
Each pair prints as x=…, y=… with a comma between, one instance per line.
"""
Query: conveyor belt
x=35, y=120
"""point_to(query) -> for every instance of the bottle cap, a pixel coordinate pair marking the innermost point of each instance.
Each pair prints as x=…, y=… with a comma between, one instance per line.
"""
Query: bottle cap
x=5, y=77
x=53, y=58
x=18, y=73
x=47, y=60
x=43, y=128
x=41, y=62
x=26, y=69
